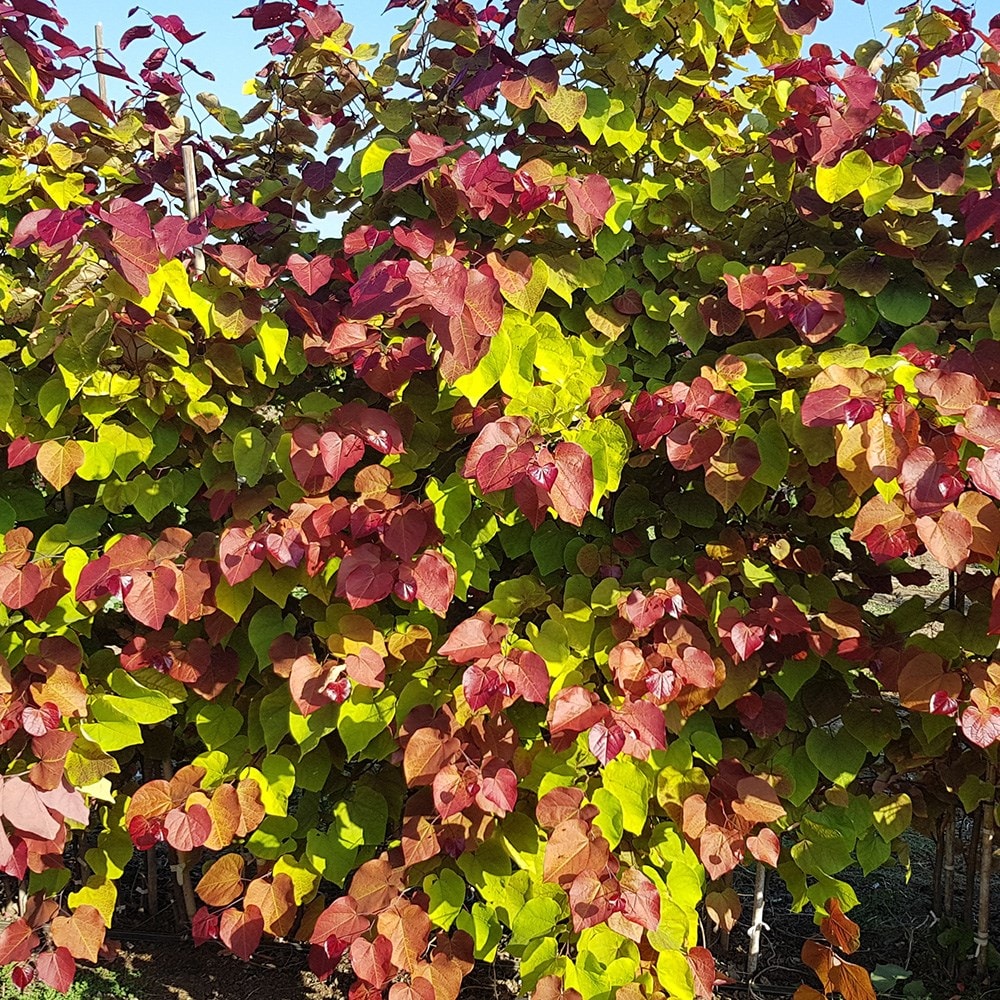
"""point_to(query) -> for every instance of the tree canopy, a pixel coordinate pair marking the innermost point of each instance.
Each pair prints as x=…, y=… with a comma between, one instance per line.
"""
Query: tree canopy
x=497, y=572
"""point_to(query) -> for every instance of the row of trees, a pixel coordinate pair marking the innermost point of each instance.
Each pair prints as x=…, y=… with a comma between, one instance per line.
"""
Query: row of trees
x=497, y=574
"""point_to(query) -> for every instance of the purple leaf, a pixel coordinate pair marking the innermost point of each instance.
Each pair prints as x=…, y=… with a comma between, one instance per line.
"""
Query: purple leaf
x=134, y=33
x=173, y=25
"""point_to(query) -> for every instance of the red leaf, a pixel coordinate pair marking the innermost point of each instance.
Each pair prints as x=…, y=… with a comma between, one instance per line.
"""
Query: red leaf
x=981, y=424
x=948, y=539
x=23, y=807
x=573, y=710
x=497, y=790
x=57, y=969
x=475, y=638
x=204, y=926
x=21, y=451
x=435, y=580
x=134, y=33
x=21, y=976
x=341, y=922
x=189, y=829
x=641, y=899
x=310, y=275
x=241, y=930
x=592, y=900
x=589, y=200
x=173, y=25
x=17, y=941
x=366, y=668
x=981, y=723
x=235, y=216
x=39, y=721
x=152, y=596
x=526, y=672
x=746, y=292
x=365, y=576
x=340, y=453
x=481, y=686
x=241, y=552
x=606, y=742
x=372, y=960
x=746, y=639
x=985, y=472
x=49, y=226
x=465, y=337
x=765, y=847
x=573, y=488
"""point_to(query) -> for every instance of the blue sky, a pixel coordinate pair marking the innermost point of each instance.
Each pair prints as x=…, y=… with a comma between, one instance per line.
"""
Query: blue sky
x=228, y=46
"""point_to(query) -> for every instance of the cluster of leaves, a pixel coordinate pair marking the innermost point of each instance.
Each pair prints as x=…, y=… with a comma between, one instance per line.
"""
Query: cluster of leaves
x=496, y=573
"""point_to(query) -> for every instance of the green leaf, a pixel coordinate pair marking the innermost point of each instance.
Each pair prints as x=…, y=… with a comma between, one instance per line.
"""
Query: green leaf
x=892, y=814
x=838, y=756
x=834, y=184
x=217, y=724
x=136, y=702
x=111, y=729
x=773, y=448
x=251, y=455
x=904, y=302
x=536, y=919
x=272, y=334
x=363, y=716
x=371, y=163
x=447, y=897
x=725, y=183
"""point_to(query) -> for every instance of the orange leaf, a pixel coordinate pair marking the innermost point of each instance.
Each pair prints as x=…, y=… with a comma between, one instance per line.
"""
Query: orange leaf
x=241, y=930
x=58, y=462
x=81, y=934
x=375, y=885
x=408, y=927
x=852, y=981
x=225, y=812
x=222, y=883
x=275, y=898
x=839, y=929
x=251, y=807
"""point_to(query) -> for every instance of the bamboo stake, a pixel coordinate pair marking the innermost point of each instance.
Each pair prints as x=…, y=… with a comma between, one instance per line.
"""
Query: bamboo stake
x=191, y=206
x=753, y=954
x=102, y=83
x=985, y=875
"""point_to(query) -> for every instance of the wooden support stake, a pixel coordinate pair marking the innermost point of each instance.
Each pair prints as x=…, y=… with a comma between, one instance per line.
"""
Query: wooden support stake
x=971, y=868
x=948, y=893
x=753, y=953
x=102, y=83
x=191, y=206
x=985, y=875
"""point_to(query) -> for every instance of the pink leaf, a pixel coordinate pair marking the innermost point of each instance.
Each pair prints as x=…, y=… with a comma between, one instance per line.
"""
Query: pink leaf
x=606, y=742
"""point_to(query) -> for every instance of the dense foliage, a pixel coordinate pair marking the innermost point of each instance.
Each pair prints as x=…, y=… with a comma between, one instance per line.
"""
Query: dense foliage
x=496, y=573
